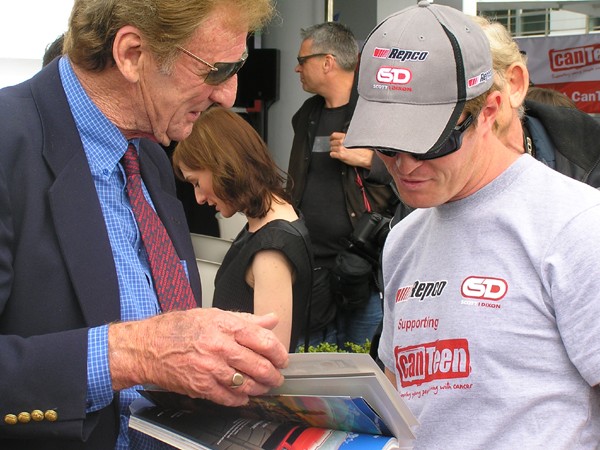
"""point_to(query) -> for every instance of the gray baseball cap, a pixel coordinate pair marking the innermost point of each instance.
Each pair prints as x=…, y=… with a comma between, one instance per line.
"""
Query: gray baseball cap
x=418, y=68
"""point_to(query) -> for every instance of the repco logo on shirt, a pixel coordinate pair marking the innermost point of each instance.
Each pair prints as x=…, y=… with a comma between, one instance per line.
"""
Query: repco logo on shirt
x=421, y=290
x=439, y=360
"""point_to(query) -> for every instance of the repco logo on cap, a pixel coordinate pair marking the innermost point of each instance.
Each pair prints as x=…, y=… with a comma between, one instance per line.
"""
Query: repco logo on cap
x=393, y=75
x=400, y=54
x=481, y=78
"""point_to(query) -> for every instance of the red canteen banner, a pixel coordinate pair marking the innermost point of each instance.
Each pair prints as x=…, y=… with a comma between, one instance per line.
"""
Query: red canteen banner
x=570, y=64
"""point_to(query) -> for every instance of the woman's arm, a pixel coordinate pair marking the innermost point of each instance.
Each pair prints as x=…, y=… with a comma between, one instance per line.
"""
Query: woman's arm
x=271, y=276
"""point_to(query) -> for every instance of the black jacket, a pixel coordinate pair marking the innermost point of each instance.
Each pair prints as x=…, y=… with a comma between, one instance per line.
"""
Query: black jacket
x=377, y=181
x=576, y=139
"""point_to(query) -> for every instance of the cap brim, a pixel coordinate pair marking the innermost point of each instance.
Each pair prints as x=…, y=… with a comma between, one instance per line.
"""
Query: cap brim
x=410, y=128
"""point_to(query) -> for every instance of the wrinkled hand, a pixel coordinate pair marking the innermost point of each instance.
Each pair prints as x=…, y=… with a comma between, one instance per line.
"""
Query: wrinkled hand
x=196, y=352
x=358, y=157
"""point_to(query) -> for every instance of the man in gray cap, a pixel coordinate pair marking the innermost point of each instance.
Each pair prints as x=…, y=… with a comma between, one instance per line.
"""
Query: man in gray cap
x=490, y=285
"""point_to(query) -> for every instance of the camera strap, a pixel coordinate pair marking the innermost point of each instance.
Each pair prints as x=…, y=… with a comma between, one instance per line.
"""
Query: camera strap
x=361, y=186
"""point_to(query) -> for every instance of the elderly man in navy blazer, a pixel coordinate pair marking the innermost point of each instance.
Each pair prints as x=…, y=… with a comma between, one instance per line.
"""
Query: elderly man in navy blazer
x=80, y=322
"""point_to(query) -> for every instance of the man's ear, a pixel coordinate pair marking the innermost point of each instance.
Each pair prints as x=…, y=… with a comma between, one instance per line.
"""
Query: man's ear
x=517, y=78
x=127, y=52
x=328, y=63
x=490, y=109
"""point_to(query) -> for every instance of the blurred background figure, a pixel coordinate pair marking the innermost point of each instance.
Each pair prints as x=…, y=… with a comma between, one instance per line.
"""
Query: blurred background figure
x=549, y=97
x=335, y=187
x=268, y=267
x=565, y=139
x=54, y=49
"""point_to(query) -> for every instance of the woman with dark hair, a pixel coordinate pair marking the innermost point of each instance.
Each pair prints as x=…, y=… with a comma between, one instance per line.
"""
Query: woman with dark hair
x=268, y=267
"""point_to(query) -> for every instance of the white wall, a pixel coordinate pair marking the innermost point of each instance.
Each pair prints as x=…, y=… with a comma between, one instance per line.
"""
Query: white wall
x=26, y=28
x=284, y=34
x=387, y=7
x=15, y=70
x=566, y=22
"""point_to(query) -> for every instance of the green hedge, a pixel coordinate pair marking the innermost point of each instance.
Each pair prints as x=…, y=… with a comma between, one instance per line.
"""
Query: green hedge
x=349, y=347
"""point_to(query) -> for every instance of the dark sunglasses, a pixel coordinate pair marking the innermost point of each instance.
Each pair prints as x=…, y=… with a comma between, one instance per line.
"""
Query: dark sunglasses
x=302, y=59
x=452, y=144
x=219, y=71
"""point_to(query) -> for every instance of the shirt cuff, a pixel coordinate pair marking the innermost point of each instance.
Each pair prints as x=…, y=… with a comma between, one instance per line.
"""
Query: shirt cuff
x=99, y=383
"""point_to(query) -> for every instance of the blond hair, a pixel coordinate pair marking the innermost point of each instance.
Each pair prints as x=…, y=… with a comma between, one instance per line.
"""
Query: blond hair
x=505, y=50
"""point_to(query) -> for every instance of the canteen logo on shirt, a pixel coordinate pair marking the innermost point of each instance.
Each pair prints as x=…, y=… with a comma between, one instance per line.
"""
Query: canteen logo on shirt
x=439, y=360
x=421, y=290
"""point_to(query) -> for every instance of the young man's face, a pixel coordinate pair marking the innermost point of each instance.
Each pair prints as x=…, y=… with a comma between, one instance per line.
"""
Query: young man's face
x=428, y=183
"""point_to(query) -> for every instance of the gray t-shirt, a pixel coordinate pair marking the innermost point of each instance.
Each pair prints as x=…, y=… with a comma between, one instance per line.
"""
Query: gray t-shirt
x=492, y=314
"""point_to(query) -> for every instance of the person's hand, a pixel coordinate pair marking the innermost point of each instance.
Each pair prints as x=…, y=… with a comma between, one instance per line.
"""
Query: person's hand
x=358, y=157
x=197, y=352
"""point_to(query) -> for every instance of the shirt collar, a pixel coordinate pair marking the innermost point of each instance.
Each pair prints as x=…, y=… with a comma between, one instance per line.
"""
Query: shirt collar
x=103, y=143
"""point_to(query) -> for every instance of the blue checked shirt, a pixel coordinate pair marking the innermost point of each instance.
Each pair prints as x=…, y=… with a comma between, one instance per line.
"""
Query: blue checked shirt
x=104, y=145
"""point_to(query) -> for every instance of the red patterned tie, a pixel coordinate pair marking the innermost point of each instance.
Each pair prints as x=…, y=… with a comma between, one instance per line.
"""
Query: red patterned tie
x=171, y=284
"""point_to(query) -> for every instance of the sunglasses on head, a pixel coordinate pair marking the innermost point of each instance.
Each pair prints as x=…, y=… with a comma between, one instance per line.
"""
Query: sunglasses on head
x=219, y=71
x=452, y=144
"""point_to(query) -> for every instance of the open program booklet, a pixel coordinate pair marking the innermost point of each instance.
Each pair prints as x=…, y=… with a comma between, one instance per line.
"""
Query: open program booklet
x=328, y=401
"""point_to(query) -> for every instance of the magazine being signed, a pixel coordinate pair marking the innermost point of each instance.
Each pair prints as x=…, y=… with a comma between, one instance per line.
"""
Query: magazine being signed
x=328, y=401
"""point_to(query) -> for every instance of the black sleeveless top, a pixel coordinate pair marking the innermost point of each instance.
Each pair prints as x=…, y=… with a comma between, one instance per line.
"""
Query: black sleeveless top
x=234, y=294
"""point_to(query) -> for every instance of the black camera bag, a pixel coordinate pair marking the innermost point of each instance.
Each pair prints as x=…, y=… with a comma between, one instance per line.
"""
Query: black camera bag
x=351, y=280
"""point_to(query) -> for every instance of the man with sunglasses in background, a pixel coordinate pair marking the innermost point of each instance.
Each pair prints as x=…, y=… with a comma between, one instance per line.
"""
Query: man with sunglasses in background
x=491, y=330
x=86, y=300
x=334, y=187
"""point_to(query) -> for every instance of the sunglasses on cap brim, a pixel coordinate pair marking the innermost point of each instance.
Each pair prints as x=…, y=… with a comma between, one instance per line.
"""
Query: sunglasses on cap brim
x=452, y=144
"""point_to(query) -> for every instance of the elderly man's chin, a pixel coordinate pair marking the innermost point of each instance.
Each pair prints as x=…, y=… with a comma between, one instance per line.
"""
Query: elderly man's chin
x=178, y=133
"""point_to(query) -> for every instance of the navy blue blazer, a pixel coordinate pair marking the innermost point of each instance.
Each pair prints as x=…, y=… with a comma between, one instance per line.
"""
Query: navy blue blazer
x=57, y=274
